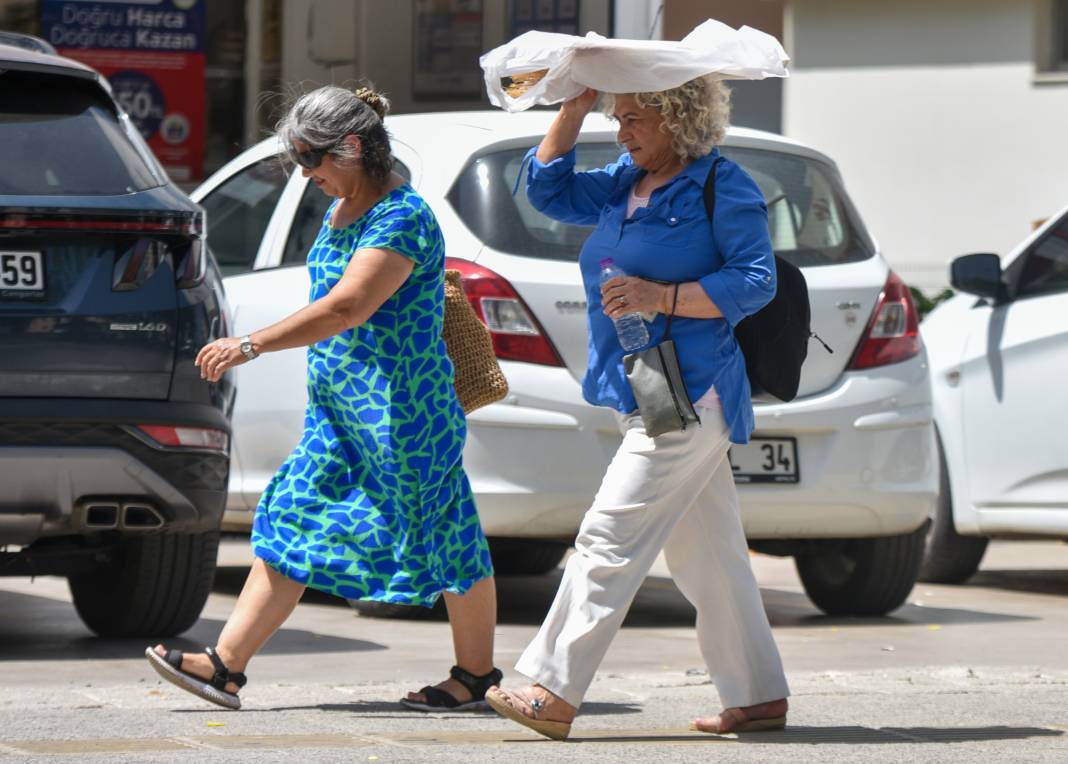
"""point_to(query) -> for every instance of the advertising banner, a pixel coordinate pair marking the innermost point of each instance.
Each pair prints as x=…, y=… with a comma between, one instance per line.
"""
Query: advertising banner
x=152, y=52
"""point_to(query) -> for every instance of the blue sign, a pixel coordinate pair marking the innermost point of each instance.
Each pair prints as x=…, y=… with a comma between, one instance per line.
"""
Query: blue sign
x=162, y=26
x=141, y=98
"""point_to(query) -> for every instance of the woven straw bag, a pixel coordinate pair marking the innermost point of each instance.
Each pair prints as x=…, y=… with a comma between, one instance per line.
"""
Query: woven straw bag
x=479, y=379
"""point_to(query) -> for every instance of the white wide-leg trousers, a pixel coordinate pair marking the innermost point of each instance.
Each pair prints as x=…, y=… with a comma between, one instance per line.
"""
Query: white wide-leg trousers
x=676, y=493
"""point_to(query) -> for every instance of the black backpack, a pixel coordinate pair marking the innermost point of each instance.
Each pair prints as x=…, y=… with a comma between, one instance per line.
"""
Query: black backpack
x=774, y=340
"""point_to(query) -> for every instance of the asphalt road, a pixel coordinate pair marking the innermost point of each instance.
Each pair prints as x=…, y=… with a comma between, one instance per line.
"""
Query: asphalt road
x=971, y=673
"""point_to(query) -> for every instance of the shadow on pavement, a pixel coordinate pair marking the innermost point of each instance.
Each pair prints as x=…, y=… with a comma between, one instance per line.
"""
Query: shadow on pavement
x=230, y=579
x=524, y=601
x=44, y=628
x=795, y=735
x=381, y=709
x=786, y=609
x=1031, y=581
x=40, y=628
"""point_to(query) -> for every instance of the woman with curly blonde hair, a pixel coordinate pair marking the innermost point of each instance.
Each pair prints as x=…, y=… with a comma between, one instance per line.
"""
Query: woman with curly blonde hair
x=674, y=491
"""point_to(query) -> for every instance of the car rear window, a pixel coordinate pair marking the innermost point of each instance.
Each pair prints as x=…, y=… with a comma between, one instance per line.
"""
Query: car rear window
x=811, y=220
x=62, y=136
x=810, y=217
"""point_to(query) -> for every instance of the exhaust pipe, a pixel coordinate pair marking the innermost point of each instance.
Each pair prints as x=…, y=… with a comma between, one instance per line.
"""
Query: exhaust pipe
x=101, y=515
x=131, y=517
x=140, y=517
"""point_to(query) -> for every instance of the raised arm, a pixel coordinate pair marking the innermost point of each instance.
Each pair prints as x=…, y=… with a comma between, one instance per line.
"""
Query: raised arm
x=553, y=186
x=564, y=131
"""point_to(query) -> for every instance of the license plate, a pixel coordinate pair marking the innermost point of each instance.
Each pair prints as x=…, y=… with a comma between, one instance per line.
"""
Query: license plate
x=22, y=274
x=765, y=460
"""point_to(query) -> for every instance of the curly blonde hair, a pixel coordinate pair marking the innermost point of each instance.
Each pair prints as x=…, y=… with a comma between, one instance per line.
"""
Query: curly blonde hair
x=696, y=114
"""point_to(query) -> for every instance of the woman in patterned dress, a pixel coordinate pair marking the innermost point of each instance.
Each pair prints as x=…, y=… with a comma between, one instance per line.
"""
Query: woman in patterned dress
x=373, y=503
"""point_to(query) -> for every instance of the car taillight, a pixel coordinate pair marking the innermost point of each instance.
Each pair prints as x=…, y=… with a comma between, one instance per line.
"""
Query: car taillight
x=186, y=437
x=188, y=225
x=516, y=333
x=136, y=265
x=190, y=265
x=893, y=334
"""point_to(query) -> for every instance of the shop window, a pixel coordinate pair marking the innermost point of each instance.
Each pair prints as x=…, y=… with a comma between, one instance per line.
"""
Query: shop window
x=226, y=29
x=1052, y=25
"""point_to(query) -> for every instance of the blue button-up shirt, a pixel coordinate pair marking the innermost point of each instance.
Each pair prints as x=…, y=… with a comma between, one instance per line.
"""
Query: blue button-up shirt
x=669, y=240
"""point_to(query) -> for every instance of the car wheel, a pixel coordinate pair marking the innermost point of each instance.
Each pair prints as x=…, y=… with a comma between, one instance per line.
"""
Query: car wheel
x=863, y=576
x=949, y=558
x=153, y=586
x=526, y=557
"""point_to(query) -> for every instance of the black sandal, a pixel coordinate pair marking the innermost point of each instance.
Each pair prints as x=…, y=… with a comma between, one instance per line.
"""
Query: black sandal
x=439, y=700
x=214, y=690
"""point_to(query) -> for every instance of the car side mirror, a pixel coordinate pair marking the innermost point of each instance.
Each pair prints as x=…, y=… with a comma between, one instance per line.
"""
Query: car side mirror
x=978, y=274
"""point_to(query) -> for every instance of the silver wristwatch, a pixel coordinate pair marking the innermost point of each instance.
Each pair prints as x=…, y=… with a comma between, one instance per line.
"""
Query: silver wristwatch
x=246, y=348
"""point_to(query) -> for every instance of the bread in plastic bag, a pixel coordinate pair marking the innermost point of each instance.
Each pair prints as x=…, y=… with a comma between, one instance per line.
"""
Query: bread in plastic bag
x=547, y=68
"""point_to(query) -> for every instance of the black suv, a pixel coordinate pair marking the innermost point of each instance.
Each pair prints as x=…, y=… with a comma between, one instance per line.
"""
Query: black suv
x=114, y=454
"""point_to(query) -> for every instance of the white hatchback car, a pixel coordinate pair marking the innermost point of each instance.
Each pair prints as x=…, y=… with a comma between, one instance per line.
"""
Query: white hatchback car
x=999, y=364
x=843, y=478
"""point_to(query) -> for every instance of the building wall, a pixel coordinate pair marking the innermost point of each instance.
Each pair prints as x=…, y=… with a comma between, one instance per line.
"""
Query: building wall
x=338, y=41
x=756, y=104
x=948, y=140
x=638, y=20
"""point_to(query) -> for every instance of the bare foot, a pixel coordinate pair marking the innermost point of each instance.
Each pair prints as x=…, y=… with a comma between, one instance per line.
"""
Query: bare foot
x=737, y=719
x=551, y=708
x=199, y=665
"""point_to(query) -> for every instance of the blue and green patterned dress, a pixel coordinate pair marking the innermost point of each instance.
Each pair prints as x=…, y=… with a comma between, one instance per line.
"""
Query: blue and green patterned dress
x=374, y=503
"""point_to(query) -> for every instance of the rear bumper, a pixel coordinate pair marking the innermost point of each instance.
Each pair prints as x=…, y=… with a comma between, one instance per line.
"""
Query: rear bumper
x=865, y=448
x=112, y=411
x=52, y=467
x=867, y=457
x=866, y=451
x=536, y=459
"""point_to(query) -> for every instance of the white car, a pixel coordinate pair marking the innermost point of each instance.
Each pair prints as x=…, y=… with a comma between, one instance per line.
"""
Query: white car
x=843, y=478
x=999, y=362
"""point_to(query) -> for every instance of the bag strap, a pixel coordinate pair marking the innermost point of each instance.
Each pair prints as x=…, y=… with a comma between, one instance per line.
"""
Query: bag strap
x=710, y=190
x=671, y=315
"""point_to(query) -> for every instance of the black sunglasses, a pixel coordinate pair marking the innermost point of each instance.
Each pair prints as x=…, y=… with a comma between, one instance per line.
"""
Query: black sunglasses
x=310, y=158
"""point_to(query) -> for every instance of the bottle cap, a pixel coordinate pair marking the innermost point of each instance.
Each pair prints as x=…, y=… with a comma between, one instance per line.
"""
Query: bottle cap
x=606, y=261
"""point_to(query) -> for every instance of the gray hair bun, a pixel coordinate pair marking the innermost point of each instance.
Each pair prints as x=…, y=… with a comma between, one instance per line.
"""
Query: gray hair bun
x=322, y=118
x=376, y=101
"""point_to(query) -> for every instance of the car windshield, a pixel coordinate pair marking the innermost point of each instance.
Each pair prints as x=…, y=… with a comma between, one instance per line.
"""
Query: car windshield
x=810, y=218
x=61, y=136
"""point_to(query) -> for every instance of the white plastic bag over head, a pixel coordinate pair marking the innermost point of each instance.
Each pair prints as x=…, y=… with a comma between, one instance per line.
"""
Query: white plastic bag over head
x=563, y=65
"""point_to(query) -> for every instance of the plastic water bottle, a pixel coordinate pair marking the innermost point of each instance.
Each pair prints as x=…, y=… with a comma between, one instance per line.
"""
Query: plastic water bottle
x=630, y=327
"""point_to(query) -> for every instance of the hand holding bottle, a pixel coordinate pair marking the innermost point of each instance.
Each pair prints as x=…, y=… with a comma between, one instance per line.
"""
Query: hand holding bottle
x=630, y=326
